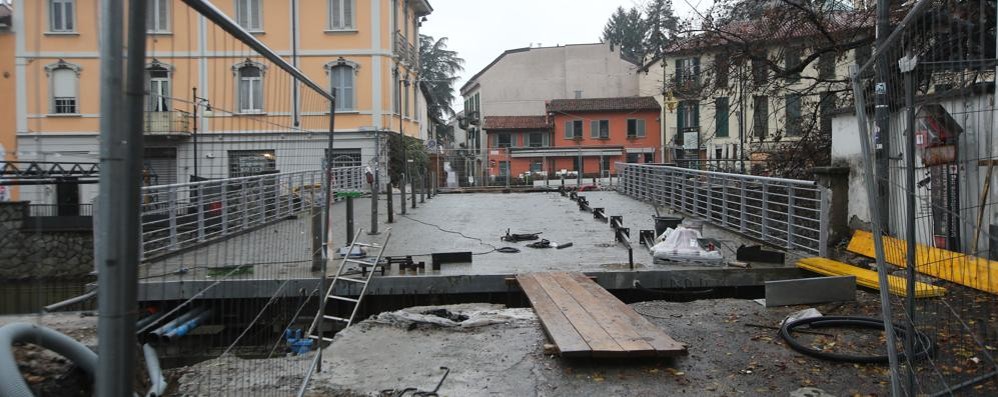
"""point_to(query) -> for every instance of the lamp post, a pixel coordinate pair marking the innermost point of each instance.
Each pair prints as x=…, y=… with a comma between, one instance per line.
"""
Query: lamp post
x=198, y=103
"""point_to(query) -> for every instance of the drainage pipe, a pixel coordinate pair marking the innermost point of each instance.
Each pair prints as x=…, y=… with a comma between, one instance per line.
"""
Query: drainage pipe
x=187, y=326
x=71, y=301
x=156, y=379
x=13, y=383
x=152, y=318
x=183, y=318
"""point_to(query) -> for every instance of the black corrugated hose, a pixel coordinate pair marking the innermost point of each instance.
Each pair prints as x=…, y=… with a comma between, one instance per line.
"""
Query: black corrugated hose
x=923, y=344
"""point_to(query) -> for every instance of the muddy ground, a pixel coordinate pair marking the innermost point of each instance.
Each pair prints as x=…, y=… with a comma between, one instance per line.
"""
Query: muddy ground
x=47, y=373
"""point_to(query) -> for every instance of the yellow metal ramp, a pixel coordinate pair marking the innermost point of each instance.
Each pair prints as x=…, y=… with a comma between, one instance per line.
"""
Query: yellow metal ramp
x=962, y=269
x=868, y=278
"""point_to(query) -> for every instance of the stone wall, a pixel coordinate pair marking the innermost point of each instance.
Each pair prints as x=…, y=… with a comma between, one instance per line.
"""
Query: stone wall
x=28, y=251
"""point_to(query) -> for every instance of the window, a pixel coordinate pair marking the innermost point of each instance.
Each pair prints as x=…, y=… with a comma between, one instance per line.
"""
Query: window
x=250, y=88
x=62, y=15
x=760, y=116
x=633, y=157
x=578, y=94
x=760, y=71
x=793, y=122
x=251, y=162
x=687, y=119
x=721, y=70
x=158, y=16
x=158, y=90
x=863, y=55
x=635, y=128
x=537, y=166
x=504, y=139
x=721, y=117
x=64, y=89
x=341, y=14
x=341, y=78
x=405, y=103
x=687, y=70
x=604, y=165
x=599, y=129
x=536, y=139
x=248, y=15
x=503, y=168
x=826, y=66
x=346, y=157
x=827, y=105
x=573, y=129
x=791, y=59
x=649, y=158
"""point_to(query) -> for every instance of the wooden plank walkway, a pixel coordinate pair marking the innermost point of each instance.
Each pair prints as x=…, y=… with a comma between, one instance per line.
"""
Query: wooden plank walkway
x=868, y=278
x=584, y=320
x=971, y=271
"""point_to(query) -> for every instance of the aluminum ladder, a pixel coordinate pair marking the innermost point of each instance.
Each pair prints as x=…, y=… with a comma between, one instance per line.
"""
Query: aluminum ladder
x=339, y=277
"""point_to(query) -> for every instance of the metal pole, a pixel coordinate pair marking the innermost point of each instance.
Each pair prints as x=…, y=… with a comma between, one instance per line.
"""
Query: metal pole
x=878, y=242
x=327, y=222
x=422, y=186
x=376, y=186
x=121, y=152
x=882, y=134
x=349, y=219
x=391, y=205
x=509, y=167
x=194, y=134
x=907, y=66
x=412, y=189
x=741, y=116
x=578, y=171
x=405, y=164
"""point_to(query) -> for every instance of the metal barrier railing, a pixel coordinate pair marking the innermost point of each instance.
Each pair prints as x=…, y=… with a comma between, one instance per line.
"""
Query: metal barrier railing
x=785, y=212
x=183, y=215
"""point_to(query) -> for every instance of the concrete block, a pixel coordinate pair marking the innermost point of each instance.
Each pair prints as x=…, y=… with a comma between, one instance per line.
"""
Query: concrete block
x=810, y=290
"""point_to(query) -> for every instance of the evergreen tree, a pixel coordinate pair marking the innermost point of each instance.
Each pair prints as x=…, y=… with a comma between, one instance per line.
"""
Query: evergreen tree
x=626, y=30
x=662, y=25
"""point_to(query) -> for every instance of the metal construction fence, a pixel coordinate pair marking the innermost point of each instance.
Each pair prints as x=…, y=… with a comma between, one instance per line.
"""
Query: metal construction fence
x=186, y=215
x=789, y=213
x=927, y=126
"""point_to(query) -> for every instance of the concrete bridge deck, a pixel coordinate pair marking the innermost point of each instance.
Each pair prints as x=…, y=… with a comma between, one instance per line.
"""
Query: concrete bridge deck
x=281, y=251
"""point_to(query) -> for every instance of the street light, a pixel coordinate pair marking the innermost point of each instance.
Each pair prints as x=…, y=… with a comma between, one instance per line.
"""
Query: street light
x=198, y=103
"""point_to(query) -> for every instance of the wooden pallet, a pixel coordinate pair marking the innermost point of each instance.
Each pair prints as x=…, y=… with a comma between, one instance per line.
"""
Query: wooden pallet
x=584, y=320
x=962, y=269
x=868, y=278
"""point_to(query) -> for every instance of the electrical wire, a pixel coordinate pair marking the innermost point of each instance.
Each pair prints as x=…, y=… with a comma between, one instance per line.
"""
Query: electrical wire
x=923, y=343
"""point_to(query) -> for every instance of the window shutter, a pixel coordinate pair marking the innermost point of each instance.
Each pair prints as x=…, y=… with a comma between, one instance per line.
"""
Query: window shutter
x=347, y=13
x=594, y=129
x=641, y=128
x=680, y=117
x=335, y=20
x=721, y=117
x=64, y=83
x=569, y=134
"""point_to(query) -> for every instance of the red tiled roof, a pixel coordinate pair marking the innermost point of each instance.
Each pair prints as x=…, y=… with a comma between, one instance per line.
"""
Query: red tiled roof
x=516, y=123
x=604, y=104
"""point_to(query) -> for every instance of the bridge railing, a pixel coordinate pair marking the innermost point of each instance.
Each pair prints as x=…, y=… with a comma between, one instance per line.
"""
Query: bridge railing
x=185, y=215
x=788, y=213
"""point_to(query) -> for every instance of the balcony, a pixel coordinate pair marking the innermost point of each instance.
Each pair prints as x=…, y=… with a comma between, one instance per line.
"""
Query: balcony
x=170, y=123
x=405, y=51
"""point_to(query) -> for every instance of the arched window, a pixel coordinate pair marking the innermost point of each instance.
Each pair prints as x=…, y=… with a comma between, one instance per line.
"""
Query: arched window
x=158, y=88
x=250, y=87
x=64, y=87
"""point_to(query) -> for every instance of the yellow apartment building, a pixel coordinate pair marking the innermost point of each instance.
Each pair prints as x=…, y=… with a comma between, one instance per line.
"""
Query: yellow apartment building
x=7, y=79
x=366, y=49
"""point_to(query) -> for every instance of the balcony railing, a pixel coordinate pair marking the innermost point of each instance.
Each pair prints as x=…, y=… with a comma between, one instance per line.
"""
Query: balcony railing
x=404, y=50
x=169, y=123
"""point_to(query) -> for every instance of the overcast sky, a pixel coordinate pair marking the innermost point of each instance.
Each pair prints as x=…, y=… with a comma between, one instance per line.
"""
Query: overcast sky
x=481, y=30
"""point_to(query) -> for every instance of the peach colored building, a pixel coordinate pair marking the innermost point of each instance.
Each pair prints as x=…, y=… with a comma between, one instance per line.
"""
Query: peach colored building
x=8, y=140
x=577, y=135
x=354, y=46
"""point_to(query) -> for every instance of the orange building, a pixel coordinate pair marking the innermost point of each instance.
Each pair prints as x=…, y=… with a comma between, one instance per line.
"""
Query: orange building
x=577, y=135
x=8, y=137
x=366, y=50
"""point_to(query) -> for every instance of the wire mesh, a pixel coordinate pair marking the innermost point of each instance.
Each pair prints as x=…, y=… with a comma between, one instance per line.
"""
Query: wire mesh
x=939, y=148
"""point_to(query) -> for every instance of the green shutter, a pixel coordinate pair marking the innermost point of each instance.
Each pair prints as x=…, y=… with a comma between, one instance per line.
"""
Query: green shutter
x=594, y=129
x=680, y=116
x=641, y=128
x=721, y=117
x=793, y=115
x=568, y=130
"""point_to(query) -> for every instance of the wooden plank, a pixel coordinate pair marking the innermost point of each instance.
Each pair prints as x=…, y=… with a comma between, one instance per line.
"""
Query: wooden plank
x=655, y=336
x=804, y=291
x=962, y=269
x=556, y=325
x=614, y=323
x=601, y=343
x=868, y=278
